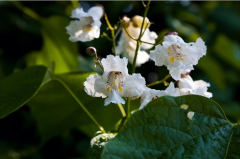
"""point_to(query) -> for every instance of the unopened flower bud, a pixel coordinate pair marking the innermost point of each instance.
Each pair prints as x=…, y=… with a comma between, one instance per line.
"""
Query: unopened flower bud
x=91, y=51
x=126, y=21
x=137, y=21
x=171, y=33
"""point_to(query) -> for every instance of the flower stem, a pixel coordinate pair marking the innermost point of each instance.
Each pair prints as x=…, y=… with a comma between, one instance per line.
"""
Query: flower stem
x=127, y=115
x=112, y=33
x=128, y=110
x=122, y=109
x=139, y=37
x=114, y=43
x=158, y=82
x=81, y=105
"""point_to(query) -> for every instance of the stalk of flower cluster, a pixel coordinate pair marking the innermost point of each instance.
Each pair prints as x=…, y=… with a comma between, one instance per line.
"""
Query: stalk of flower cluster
x=127, y=108
x=112, y=33
x=140, y=35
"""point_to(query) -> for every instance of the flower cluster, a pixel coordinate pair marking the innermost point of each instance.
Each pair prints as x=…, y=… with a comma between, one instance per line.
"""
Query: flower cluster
x=116, y=83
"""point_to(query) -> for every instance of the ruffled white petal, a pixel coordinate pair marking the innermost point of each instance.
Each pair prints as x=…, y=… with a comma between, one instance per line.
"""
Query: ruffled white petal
x=115, y=63
x=148, y=36
x=173, y=39
x=159, y=55
x=79, y=13
x=113, y=98
x=96, y=12
x=134, y=85
x=89, y=86
x=176, y=73
x=171, y=90
x=148, y=95
x=188, y=86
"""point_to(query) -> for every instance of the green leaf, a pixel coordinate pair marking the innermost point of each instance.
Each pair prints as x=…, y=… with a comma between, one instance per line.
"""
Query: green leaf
x=163, y=130
x=56, y=110
x=18, y=88
x=56, y=47
x=227, y=50
x=218, y=77
x=233, y=149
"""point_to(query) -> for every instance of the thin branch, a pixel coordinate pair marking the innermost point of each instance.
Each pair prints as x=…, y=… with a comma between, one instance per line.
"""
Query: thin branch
x=127, y=31
x=158, y=82
x=112, y=33
x=122, y=109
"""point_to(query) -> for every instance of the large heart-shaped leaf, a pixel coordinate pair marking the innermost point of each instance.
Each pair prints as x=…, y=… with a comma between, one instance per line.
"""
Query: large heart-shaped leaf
x=176, y=127
x=20, y=87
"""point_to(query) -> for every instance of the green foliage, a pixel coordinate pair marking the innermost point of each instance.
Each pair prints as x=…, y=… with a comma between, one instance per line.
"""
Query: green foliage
x=228, y=51
x=56, y=47
x=55, y=109
x=19, y=88
x=163, y=130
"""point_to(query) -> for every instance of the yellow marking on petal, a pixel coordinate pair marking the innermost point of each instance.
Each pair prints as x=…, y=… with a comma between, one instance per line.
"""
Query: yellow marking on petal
x=172, y=59
x=181, y=59
x=108, y=89
x=120, y=89
x=89, y=29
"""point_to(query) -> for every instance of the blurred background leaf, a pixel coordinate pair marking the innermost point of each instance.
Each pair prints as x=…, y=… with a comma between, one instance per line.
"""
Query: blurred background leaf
x=56, y=47
x=20, y=87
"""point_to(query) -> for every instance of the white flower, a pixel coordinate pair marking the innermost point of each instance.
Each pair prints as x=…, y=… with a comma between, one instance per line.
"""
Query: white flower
x=176, y=54
x=87, y=27
x=188, y=86
x=115, y=82
x=177, y=73
x=150, y=94
x=128, y=45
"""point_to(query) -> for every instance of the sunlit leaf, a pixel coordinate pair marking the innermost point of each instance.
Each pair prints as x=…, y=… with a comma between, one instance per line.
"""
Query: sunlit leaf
x=56, y=47
x=163, y=130
x=20, y=87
